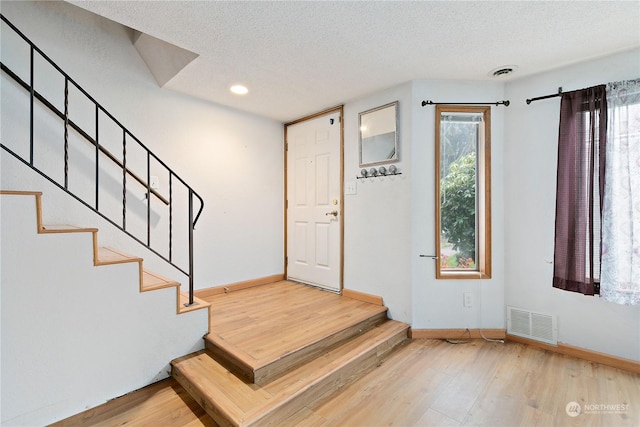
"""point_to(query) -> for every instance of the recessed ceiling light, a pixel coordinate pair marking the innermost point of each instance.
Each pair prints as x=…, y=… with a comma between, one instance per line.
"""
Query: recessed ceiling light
x=239, y=89
x=503, y=71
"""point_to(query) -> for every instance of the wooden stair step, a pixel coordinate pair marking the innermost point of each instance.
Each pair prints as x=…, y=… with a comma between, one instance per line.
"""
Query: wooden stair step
x=232, y=401
x=183, y=300
x=106, y=256
x=149, y=280
x=66, y=228
x=262, y=370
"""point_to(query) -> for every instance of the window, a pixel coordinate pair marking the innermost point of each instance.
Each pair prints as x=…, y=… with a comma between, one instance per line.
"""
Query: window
x=463, y=192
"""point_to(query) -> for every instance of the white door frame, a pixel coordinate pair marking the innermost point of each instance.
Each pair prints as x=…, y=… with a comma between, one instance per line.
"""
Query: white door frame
x=338, y=109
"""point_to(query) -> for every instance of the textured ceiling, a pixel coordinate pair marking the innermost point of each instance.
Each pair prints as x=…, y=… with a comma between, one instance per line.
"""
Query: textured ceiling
x=298, y=58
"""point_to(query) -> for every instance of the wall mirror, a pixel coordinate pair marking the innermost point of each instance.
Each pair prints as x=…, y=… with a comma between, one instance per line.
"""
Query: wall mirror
x=379, y=135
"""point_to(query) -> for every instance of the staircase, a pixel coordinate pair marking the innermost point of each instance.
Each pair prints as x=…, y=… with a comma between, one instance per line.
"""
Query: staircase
x=102, y=256
x=75, y=144
x=240, y=384
x=81, y=323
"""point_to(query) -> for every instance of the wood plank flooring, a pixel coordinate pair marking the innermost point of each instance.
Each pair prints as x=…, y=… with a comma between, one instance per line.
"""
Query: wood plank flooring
x=250, y=319
x=232, y=401
x=435, y=383
x=164, y=403
x=429, y=383
x=269, y=325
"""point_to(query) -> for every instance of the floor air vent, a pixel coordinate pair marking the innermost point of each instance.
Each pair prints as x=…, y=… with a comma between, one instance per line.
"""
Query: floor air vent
x=532, y=325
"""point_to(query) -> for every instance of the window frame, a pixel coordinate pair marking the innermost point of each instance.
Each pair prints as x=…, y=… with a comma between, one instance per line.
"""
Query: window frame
x=483, y=196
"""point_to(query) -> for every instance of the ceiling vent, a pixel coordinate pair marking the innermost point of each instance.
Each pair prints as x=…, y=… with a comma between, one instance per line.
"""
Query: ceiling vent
x=503, y=71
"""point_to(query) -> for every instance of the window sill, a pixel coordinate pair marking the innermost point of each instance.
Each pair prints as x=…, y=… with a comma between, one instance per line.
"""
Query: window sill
x=457, y=275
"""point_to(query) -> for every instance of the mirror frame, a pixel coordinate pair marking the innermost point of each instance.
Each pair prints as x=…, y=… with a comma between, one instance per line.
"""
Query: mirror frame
x=371, y=115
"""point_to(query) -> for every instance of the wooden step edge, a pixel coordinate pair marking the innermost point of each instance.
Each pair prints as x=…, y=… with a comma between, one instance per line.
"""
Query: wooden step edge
x=261, y=371
x=107, y=256
x=198, y=303
x=20, y=193
x=341, y=371
x=231, y=357
x=390, y=330
x=362, y=323
x=267, y=370
x=66, y=228
x=38, y=199
x=152, y=281
x=218, y=406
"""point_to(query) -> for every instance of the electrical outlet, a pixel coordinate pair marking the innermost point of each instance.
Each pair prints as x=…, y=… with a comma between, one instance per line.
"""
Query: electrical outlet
x=155, y=182
x=467, y=299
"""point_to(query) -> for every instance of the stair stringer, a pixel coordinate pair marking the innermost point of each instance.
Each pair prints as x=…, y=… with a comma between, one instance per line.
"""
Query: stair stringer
x=73, y=335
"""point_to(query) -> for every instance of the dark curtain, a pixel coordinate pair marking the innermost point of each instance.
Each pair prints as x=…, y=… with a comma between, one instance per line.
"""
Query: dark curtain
x=580, y=188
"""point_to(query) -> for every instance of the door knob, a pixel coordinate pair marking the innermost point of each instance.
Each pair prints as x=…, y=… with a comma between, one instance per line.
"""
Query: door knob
x=334, y=213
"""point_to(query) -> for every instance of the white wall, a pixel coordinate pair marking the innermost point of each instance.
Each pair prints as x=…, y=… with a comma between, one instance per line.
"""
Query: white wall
x=437, y=304
x=75, y=335
x=232, y=159
x=377, y=236
x=531, y=137
x=389, y=222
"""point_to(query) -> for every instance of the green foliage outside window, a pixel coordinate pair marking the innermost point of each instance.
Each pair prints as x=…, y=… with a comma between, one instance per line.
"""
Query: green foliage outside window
x=458, y=212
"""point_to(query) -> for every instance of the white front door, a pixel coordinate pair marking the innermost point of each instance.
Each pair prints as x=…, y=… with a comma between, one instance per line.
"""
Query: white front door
x=314, y=205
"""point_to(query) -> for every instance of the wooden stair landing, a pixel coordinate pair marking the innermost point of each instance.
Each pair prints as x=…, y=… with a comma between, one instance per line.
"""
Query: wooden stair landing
x=260, y=333
x=232, y=401
x=276, y=348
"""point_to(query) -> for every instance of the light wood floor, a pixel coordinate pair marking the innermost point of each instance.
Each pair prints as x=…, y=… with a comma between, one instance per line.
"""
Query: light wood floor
x=430, y=383
x=268, y=321
x=164, y=403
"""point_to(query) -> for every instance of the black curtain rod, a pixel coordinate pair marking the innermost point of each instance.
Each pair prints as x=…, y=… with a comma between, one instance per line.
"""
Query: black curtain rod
x=538, y=98
x=505, y=103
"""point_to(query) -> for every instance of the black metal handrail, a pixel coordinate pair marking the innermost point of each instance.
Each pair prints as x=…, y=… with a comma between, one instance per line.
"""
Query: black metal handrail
x=100, y=149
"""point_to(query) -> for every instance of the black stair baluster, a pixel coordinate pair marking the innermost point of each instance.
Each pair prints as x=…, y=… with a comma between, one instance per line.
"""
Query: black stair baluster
x=66, y=134
x=190, y=246
x=31, y=95
x=148, y=199
x=170, y=216
x=97, y=160
x=124, y=179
